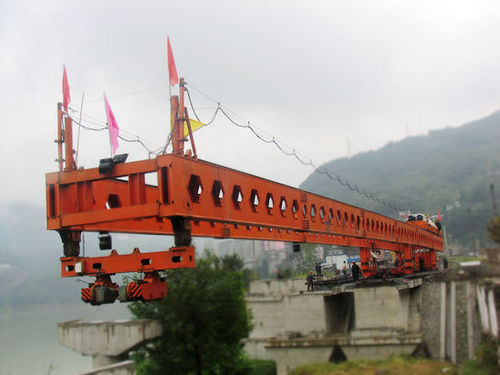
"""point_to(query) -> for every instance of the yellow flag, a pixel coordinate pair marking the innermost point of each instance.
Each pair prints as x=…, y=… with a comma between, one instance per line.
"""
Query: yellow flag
x=195, y=125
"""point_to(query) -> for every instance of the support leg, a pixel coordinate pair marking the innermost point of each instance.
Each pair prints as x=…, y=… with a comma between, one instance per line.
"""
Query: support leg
x=410, y=265
x=71, y=242
x=182, y=230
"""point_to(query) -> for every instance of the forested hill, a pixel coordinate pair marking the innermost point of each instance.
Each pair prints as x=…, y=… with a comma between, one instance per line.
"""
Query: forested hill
x=448, y=170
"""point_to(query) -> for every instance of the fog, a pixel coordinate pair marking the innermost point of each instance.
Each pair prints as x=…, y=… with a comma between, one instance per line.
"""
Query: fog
x=328, y=79
x=317, y=76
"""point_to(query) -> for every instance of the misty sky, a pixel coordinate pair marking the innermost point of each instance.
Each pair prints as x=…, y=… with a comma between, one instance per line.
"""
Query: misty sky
x=314, y=74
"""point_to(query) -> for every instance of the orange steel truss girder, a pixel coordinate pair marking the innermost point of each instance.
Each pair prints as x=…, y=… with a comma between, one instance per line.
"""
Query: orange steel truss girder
x=220, y=202
x=134, y=262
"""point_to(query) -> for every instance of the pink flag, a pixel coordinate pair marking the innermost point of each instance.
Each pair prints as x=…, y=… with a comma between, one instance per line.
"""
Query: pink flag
x=172, y=70
x=112, y=125
x=65, y=88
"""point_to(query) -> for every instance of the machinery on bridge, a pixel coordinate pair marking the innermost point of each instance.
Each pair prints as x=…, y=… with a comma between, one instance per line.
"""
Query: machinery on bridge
x=193, y=197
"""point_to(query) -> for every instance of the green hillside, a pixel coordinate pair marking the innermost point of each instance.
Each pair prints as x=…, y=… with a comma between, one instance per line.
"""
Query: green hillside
x=448, y=170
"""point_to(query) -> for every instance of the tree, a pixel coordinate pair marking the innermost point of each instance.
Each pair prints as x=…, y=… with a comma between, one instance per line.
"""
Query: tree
x=204, y=319
x=309, y=257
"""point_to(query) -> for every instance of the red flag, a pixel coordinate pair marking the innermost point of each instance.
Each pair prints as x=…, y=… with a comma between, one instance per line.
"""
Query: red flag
x=172, y=70
x=439, y=216
x=112, y=125
x=65, y=88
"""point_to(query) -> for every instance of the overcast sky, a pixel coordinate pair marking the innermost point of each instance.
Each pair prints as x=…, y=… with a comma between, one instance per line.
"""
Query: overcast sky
x=314, y=74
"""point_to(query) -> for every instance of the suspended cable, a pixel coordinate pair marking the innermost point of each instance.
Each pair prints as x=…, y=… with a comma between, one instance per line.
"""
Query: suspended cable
x=281, y=147
x=169, y=139
x=99, y=122
x=125, y=139
x=130, y=93
x=79, y=128
x=259, y=133
x=88, y=127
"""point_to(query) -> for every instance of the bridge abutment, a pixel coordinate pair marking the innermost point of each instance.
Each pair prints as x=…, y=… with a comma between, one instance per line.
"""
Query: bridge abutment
x=356, y=321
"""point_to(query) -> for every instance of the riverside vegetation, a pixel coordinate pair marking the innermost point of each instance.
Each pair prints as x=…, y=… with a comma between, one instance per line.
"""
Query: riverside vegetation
x=449, y=170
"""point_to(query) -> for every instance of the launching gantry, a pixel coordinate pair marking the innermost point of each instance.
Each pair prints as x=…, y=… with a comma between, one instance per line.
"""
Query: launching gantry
x=193, y=197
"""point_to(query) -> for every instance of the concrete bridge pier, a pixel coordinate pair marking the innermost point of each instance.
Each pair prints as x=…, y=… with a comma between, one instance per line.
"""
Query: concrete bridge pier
x=108, y=342
x=385, y=321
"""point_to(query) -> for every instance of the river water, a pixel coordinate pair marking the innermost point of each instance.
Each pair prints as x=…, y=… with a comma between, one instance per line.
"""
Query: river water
x=29, y=340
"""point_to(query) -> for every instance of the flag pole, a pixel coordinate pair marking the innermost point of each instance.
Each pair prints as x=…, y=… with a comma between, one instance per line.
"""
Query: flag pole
x=173, y=79
x=110, y=144
x=107, y=124
x=170, y=101
x=79, y=127
x=109, y=138
x=169, y=93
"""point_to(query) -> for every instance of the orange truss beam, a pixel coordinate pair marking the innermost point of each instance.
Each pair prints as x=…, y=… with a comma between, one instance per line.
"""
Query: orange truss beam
x=134, y=262
x=146, y=196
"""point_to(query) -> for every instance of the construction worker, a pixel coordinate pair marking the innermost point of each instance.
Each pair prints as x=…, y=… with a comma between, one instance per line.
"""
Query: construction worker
x=318, y=269
x=421, y=263
x=355, y=271
x=310, y=279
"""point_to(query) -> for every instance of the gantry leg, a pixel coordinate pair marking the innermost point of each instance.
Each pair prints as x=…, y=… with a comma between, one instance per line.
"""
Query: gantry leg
x=71, y=242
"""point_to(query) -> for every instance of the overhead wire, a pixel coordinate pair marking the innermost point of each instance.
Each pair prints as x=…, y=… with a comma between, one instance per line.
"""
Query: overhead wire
x=137, y=139
x=78, y=136
x=98, y=122
x=282, y=148
x=259, y=133
x=132, y=93
x=88, y=127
